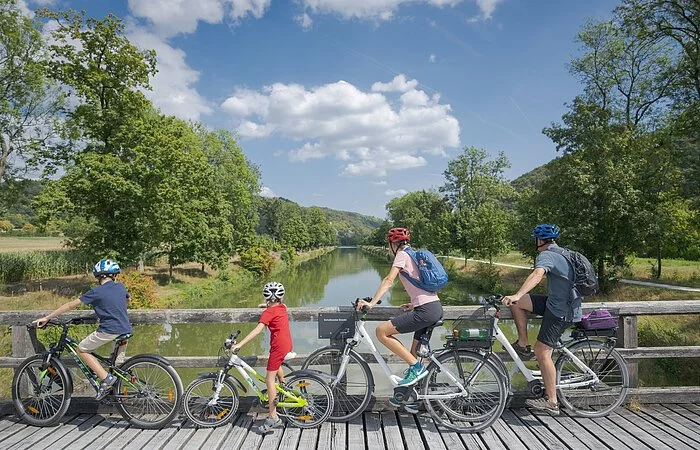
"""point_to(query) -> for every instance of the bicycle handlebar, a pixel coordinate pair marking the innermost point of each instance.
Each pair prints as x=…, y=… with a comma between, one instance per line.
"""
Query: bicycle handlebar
x=364, y=309
x=57, y=323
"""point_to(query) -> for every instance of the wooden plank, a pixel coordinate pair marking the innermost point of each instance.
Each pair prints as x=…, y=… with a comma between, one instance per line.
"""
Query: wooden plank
x=392, y=431
x=89, y=432
x=373, y=430
x=142, y=440
x=272, y=440
x=521, y=430
x=8, y=421
x=508, y=436
x=492, y=440
x=675, y=422
x=325, y=437
x=639, y=431
x=200, y=436
x=588, y=439
x=68, y=432
x=453, y=439
x=431, y=436
x=11, y=430
x=690, y=351
x=339, y=437
x=308, y=439
x=692, y=408
x=356, y=434
x=539, y=430
x=629, y=338
x=411, y=431
x=179, y=438
x=19, y=437
x=629, y=438
x=290, y=439
x=51, y=433
x=655, y=428
x=124, y=439
x=238, y=433
x=603, y=434
x=21, y=343
x=116, y=427
x=680, y=410
x=253, y=438
x=561, y=432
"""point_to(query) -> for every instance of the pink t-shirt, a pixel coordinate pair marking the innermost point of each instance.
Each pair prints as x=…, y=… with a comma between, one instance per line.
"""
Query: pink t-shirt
x=418, y=296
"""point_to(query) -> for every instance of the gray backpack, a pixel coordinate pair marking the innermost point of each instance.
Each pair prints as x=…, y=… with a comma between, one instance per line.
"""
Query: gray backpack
x=585, y=280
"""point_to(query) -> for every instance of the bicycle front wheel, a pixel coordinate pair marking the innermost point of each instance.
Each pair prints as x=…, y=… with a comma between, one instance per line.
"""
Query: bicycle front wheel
x=352, y=392
x=150, y=395
x=592, y=399
x=41, y=393
x=318, y=396
x=470, y=411
x=201, y=407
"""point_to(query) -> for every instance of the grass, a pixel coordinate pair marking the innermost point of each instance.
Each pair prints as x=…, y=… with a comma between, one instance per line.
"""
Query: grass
x=30, y=244
x=26, y=266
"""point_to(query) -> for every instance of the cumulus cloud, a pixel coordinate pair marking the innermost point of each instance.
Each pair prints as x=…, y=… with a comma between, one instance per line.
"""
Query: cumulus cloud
x=267, y=192
x=171, y=17
x=372, y=132
x=396, y=192
x=174, y=90
x=383, y=10
x=432, y=58
x=305, y=21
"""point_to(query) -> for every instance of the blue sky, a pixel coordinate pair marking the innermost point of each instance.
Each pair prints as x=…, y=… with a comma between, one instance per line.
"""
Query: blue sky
x=348, y=103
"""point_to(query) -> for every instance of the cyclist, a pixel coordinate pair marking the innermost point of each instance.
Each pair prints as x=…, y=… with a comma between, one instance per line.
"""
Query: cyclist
x=424, y=310
x=557, y=308
x=276, y=318
x=109, y=300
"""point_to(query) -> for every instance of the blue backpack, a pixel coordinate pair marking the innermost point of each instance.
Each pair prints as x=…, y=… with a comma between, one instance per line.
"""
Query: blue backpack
x=432, y=275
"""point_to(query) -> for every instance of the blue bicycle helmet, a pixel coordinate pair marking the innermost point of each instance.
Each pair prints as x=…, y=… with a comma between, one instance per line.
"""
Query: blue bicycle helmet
x=106, y=267
x=545, y=231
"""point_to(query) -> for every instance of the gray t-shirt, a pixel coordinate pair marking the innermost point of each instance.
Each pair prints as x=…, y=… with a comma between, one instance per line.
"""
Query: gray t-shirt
x=560, y=301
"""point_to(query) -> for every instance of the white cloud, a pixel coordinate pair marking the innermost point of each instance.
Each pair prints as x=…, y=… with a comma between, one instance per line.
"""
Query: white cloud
x=432, y=58
x=305, y=21
x=371, y=132
x=396, y=192
x=487, y=7
x=379, y=183
x=171, y=17
x=24, y=9
x=174, y=90
x=267, y=192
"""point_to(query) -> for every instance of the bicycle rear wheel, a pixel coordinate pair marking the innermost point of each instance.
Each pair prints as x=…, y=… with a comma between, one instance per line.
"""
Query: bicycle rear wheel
x=150, y=397
x=486, y=391
x=597, y=399
x=318, y=396
x=41, y=393
x=198, y=405
x=352, y=393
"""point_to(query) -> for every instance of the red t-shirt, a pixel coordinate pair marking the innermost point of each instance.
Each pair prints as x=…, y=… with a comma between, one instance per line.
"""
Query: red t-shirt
x=277, y=320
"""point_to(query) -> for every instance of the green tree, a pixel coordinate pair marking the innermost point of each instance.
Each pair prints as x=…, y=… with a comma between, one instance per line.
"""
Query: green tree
x=476, y=188
x=427, y=215
x=320, y=231
x=294, y=232
x=29, y=102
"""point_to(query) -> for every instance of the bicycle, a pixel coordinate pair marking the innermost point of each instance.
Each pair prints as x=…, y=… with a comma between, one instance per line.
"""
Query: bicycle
x=212, y=399
x=452, y=375
x=147, y=391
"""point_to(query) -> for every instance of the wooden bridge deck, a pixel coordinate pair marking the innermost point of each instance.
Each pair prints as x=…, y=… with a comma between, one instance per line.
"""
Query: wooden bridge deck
x=655, y=426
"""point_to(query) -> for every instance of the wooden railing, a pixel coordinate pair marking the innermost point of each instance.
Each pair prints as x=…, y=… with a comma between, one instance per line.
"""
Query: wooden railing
x=627, y=338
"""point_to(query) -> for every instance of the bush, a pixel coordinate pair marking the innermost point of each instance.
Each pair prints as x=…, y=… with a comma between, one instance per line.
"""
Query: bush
x=488, y=277
x=142, y=289
x=28, y=228
x=257, y=260
x=6, y=225
x=289, y=255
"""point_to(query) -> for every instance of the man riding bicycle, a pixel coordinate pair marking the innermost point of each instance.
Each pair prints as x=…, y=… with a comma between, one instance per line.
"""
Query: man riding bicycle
x=558, y=309
x=424, y=310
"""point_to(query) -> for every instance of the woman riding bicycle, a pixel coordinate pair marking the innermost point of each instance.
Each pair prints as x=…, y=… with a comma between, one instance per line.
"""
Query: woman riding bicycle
x=424, y=310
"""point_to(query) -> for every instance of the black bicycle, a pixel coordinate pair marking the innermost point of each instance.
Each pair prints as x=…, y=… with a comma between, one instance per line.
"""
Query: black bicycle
x=147, y=392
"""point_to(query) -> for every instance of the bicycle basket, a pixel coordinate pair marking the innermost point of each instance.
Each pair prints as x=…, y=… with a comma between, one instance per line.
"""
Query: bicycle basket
x=336, y=325
x=471, y=332
x=599, y=319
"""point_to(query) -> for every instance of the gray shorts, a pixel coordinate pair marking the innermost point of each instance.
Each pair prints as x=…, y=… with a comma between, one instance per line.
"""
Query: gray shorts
x=418, y=319
x=95, y=340
x=552, y=327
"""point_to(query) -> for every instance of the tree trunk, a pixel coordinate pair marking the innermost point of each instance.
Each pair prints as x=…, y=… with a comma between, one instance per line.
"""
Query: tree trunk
x=6, y=150
x=658, y=261
x=170, y=272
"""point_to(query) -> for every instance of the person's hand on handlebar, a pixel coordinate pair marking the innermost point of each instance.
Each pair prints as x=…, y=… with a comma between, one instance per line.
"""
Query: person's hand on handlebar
x=510, y=299
x=235, y=348
x=361, y=303
x=41, y=323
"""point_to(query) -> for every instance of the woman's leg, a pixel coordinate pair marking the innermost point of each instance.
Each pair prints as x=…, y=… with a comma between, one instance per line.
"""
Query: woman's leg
x=385, y=333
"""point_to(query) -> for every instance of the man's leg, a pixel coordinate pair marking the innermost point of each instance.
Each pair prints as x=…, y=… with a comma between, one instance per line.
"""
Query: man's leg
x=92, y=363
x=385, y=333
x=520, y=312
x=543, y=353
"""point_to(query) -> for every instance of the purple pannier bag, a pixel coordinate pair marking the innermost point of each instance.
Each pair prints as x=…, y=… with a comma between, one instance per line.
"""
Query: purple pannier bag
x=598, y=319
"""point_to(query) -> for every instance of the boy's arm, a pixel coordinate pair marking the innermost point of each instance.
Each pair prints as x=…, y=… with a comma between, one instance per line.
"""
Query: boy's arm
x=60, y=310
x=256, y=331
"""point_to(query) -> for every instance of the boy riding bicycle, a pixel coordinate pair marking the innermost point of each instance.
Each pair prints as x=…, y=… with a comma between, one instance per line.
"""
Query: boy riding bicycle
x=424, y=310
x=276, y=318
x=109, y=301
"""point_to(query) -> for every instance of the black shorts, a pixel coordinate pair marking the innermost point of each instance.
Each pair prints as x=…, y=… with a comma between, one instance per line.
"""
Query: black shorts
x=418, y=319
x=552, y=327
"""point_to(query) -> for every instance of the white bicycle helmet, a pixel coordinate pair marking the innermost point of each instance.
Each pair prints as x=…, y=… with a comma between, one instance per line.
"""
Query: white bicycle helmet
x=273, y=291
x=106, y=267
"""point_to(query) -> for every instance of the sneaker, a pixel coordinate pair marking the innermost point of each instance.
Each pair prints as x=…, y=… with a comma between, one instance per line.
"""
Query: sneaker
x=269, y=425
x=410, y=407
x=525, y=353
x=105, y=387
x=543, y=404
x=414, y=375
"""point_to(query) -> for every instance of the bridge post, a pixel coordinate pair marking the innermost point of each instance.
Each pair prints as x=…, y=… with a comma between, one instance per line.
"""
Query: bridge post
x=629, y=338
x=21, y=343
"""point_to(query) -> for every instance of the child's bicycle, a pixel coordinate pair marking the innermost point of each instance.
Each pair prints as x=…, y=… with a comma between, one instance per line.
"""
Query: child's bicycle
x=147, y=391
x=212, y=399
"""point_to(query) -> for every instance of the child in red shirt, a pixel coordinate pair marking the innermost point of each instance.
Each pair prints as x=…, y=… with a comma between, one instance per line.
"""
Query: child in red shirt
x=275, y=317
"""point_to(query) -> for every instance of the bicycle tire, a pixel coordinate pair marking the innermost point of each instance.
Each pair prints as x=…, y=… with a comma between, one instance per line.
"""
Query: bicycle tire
x=611, y=369
x=40, y=409
x=317, y=393
x=485, y=402
x=153, y=405
x=196, y=406
x=350, y=398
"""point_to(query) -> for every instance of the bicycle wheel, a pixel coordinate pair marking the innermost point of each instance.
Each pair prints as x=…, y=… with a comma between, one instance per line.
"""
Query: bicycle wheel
x=351, y=394
x=319, y=399
x=598, y=399
x=41, y=394
x=200, y=407
x=150, y=397
x=486, y=391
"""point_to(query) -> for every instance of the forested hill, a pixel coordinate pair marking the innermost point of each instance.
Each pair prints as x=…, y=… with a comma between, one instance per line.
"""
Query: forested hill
x=351, y=226
x=534, y=178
